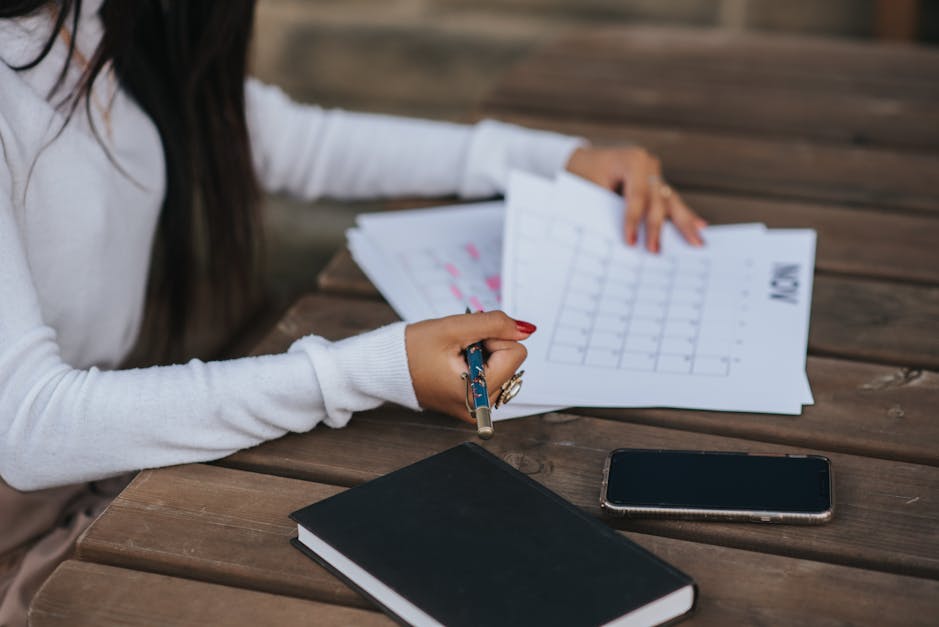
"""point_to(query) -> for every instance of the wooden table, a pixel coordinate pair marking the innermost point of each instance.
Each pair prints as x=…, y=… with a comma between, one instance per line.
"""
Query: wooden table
x=793, y=132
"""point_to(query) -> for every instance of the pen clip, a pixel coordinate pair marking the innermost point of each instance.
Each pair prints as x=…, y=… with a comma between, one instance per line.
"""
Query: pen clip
x=470, y=404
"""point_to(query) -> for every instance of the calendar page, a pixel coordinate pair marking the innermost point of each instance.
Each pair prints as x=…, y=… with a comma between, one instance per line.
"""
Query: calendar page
x=443, y=259
x=721, y=327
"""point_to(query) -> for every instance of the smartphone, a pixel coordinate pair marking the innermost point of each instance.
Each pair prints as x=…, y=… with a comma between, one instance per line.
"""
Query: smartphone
x=710, y=485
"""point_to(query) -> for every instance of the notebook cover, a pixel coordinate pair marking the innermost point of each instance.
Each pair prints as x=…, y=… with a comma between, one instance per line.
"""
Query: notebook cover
x=472, y=541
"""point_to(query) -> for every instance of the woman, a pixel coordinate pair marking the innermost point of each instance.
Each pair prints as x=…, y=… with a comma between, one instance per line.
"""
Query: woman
x=128, y=131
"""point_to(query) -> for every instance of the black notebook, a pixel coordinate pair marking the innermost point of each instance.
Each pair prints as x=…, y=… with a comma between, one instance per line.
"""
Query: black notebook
x=462, y=538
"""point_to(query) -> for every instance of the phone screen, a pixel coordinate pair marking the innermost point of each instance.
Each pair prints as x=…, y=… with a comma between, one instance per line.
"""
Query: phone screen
x=711, y=480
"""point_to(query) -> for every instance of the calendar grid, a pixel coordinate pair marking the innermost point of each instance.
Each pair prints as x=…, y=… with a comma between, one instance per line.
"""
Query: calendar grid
x=697, y=329
x=654, y=320
x=568, y=281
x=658, y=348
x=593, y=318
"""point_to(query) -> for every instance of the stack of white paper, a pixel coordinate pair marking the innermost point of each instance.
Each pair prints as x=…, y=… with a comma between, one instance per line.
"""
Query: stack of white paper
x=723, y=327
x=436, y=262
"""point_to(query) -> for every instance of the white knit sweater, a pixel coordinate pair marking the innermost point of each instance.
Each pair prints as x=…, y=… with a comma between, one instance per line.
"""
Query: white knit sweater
x=75, y=245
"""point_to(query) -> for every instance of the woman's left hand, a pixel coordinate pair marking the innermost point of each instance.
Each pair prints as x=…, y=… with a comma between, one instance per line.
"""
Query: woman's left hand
x=637, y=174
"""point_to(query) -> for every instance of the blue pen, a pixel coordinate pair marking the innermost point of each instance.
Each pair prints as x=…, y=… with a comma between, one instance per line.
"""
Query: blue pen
x=477, y=394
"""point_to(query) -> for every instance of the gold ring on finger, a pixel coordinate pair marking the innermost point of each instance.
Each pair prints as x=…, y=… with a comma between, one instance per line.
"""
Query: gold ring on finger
x=509, y=389
x=665, y=191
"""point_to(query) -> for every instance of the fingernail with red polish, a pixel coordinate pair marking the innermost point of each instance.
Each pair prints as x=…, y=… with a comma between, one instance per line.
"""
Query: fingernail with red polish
x=525, y=327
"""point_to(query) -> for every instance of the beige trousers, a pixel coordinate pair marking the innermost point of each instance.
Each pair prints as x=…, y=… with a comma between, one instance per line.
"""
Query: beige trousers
x=38, y=531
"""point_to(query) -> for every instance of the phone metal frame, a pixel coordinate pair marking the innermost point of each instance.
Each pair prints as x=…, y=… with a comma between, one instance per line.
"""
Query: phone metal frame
x=730, y=515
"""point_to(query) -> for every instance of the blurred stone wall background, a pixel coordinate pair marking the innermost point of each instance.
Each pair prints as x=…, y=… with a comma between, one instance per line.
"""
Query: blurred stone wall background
x=437, y=58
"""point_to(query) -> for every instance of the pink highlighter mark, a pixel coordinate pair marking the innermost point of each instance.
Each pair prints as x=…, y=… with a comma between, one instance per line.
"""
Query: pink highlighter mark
x=456, y=292
x=494, y=282
x=473, y=251
x=474, y=302
x=452, y=269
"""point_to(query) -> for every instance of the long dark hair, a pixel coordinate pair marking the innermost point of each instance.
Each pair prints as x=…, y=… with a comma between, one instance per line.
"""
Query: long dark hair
x=184, y=62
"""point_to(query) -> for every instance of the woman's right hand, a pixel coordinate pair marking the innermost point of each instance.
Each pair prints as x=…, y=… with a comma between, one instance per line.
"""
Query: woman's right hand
x=435, y=356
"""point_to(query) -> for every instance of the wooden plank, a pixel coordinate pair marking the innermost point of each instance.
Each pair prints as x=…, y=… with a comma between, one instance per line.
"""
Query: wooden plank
x=842, y=63
x=746, y=93
x=82, y=593
x=342, y=274
x=771, y=590
x=874, y=244
x=676, y=59
x=660, y=100
x=875, y=321
x=152, y=519
x=860, y=409
x=886, y=517
x=793, y=169
x=224, y=535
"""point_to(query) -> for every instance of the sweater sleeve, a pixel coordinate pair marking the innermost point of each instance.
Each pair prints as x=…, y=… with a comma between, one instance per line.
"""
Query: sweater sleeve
x=311, y=152
x=61, y=425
